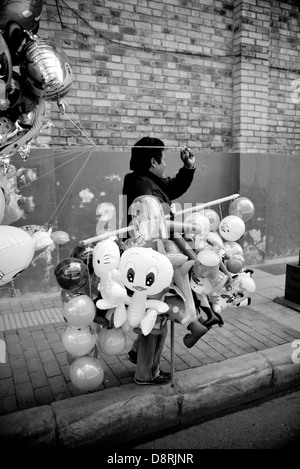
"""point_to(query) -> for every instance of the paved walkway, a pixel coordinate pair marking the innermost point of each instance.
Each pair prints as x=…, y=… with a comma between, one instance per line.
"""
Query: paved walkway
x=36, y=371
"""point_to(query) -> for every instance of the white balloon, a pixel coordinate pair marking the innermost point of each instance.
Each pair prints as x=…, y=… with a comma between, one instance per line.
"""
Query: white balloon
x=16, y=252
x=232, y=228
x=147, y=323
x=120, y=316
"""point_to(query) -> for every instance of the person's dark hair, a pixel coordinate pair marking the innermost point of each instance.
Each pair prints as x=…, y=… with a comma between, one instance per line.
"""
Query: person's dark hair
x=141, y=157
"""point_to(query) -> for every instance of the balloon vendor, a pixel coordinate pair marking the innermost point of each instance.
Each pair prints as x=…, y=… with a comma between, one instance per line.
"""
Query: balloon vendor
x=148, y=164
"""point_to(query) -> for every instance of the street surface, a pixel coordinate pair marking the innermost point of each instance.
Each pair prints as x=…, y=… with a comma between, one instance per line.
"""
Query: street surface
x=274, y=424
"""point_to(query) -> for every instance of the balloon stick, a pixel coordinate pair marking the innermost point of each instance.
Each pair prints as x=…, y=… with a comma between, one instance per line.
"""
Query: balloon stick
x=107, y=234
x=172, y=355
x=206, y=204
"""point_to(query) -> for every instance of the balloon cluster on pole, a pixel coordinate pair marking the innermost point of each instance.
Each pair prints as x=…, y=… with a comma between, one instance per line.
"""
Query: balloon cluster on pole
x=188, y=272
x=79, y=338
x=33, y=71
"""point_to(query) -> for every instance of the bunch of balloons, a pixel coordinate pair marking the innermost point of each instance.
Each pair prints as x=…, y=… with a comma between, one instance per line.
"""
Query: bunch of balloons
x=209, y=272
x=79, y=310
x=13, y=205
x=32, y=71
x=19, y=245
x=112, y=287
x=83, y=338
x=219, y=272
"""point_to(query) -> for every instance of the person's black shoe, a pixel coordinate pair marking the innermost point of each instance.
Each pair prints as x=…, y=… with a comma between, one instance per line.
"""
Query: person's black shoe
x=132, y=356
x=158, y=380
x=165, y=373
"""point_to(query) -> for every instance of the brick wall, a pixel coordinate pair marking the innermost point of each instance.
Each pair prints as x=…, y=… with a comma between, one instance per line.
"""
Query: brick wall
x=216, y=75
x=284, y=72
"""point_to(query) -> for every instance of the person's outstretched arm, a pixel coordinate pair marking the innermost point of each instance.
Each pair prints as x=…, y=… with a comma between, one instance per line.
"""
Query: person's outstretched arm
x=180, y=183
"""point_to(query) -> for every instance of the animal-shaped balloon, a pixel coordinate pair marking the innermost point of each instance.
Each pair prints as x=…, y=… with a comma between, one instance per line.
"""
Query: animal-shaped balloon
x=242, y=287
x=237, y=293
x=208, y=291
x=146, y=273
x=106, y=216
x=106, y=258
x=205, y=279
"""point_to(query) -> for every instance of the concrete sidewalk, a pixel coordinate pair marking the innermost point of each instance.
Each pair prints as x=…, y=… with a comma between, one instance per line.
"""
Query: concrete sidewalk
x=250, y=356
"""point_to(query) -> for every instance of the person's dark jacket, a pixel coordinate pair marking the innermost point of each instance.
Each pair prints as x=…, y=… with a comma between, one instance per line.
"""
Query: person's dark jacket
x=165, y=189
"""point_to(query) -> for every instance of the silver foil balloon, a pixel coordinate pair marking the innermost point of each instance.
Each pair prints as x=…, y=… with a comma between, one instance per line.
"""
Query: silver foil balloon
x=14, y=136
x=46, y=69
x=6, y=126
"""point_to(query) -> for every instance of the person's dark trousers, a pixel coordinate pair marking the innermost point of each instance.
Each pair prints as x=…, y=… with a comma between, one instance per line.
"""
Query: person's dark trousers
x=149, y=350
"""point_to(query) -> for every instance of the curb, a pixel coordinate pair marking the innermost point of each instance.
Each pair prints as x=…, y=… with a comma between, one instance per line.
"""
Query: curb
x=113, y=416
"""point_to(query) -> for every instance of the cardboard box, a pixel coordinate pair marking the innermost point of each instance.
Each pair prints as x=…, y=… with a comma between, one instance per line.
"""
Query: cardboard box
x=292, y=283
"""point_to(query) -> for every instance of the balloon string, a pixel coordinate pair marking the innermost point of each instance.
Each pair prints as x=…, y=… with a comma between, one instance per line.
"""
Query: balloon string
x=57, y=154
x=64, y=199
x=80, y=140
x=57, y=167
x=79, y=127
x=77, y=123
x=81, y=130
x=220, y=210
x=67, y=193
x=111, y=147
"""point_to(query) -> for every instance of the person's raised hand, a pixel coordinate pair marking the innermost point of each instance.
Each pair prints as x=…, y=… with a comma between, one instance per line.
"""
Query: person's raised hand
x=187, y=157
